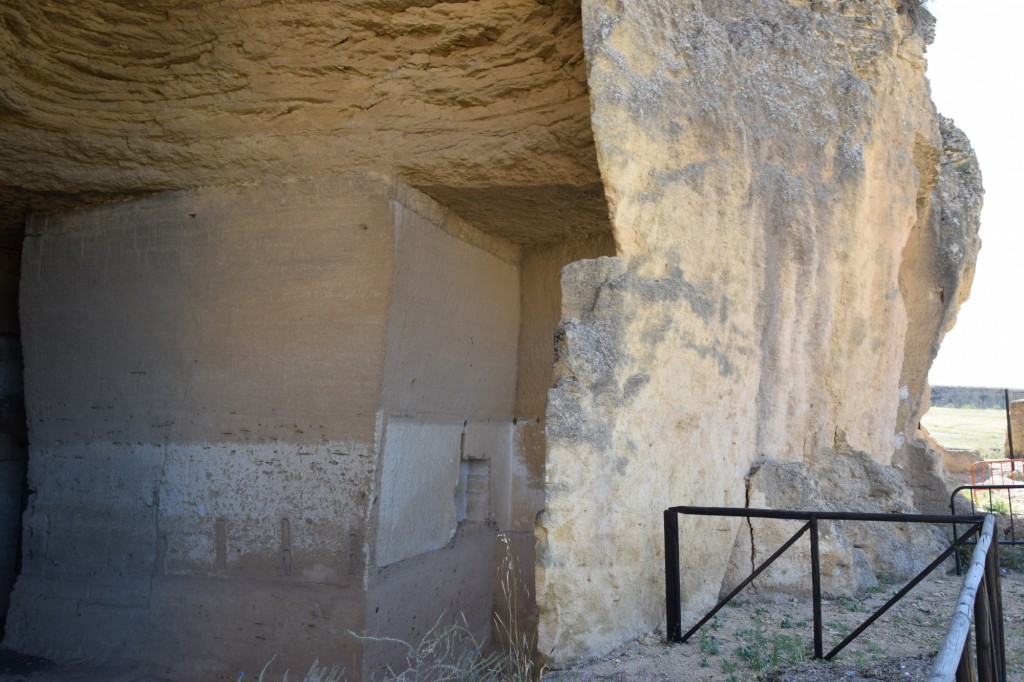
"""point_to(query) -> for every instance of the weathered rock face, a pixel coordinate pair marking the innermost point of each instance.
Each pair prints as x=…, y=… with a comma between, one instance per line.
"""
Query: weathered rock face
x=854, y=554
x=935, y=278
x=318, y=374
x=774, y=171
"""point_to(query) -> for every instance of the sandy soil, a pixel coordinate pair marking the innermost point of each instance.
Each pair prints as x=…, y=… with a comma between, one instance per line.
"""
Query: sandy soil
x=765, y=637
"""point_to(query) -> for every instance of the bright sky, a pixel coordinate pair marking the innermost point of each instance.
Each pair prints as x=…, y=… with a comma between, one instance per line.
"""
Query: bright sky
x=976, y=70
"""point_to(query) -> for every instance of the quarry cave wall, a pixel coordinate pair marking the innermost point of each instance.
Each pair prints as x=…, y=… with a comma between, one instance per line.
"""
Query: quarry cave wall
x=326, y=313
x=197, y=458
x=204, y=453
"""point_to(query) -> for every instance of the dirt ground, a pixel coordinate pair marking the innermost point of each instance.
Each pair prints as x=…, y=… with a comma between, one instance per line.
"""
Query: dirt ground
x=769, y=638
x=763, y=637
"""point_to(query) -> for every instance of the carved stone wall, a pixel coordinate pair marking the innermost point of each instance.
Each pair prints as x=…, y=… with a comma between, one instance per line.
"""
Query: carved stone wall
x=292, y=276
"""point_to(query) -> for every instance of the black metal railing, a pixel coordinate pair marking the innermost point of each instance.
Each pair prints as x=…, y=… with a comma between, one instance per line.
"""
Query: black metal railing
x=972, y=498
x=811, y=519
x=982, y=594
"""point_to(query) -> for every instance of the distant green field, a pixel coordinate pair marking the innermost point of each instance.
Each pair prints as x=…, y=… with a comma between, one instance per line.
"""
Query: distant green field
x=966, y=427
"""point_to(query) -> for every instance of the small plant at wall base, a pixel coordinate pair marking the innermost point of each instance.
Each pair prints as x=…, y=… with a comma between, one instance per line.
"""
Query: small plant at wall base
x=448, y=653
x=708, y=643
x=451, y=653
x=519, y=646
x=315, y=674
x=761, y=652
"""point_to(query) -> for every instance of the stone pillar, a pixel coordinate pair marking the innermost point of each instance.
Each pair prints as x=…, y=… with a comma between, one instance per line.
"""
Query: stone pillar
x=1017, y=427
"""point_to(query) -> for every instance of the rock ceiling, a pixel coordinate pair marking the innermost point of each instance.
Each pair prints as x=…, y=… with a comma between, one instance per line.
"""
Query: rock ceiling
x=482, y=104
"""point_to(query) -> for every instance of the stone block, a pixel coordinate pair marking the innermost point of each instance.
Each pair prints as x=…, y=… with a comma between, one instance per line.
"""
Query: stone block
x=453, y=327
x=418, y=479
x=209, y=628
x=65, y=629
x=203, y=375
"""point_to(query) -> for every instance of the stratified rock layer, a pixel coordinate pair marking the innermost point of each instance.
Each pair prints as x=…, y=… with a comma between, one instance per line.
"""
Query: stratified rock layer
x=769, y=166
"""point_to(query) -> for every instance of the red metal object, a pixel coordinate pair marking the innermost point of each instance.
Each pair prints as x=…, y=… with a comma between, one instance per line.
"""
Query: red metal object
x=999, y=473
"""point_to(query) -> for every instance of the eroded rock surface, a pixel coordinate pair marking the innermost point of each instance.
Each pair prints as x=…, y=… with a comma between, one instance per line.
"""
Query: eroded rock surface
x=796, y=228
x=855, y=555
x=935, y=278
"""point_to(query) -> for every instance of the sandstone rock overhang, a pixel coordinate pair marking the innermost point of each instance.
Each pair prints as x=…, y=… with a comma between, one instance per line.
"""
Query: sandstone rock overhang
x=121, y=98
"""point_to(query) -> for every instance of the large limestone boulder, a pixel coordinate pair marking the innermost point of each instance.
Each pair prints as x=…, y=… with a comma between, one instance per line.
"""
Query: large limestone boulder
x=796, y=229
x=854, y=554
x=793, y=486
x=954, y=460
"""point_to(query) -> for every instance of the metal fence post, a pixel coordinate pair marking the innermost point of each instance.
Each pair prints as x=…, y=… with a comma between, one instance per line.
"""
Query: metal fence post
x=816, y=589
x=995, y=605
x=983, y=634
x=1009, y=428
x=673, y=609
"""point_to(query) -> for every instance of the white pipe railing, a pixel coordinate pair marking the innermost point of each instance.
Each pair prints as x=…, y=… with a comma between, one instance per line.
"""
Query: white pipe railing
x=952, y=655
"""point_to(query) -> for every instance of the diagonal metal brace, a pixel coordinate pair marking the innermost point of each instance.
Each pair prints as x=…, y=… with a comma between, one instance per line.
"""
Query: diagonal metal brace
x=760, y=569
x=903, y=592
